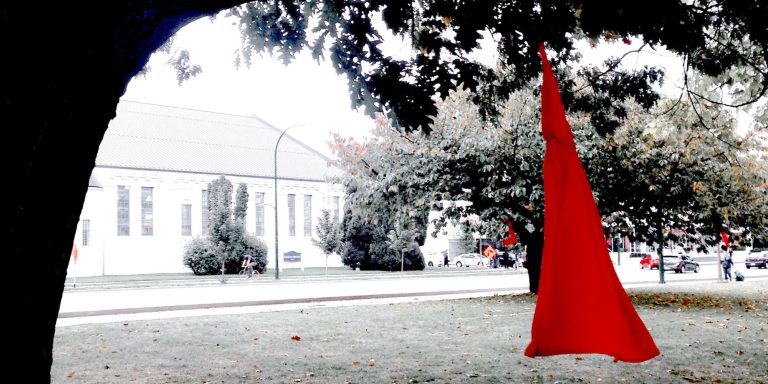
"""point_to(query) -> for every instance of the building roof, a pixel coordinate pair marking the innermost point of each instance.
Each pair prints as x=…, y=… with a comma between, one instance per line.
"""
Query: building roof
x=156, y=137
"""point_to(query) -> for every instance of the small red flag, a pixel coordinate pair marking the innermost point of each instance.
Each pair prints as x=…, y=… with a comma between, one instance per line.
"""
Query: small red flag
x=581, y=306
x=73, y=255
x=724, y=235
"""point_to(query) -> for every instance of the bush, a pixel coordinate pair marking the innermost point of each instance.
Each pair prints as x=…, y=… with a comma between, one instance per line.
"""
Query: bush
x=201, y=257
x=258, y=249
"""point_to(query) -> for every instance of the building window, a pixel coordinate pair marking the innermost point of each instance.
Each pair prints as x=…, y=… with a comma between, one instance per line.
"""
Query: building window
x=186, y=219
x=336, y=208
x=308, y=215
x=123, y=211
x=259, y=213
x=86, y=232
x=291, y=215
x=204, y=209
x=146, y=211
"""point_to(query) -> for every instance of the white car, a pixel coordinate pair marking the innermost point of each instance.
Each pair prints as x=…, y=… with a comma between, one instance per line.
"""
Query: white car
x=470, y=260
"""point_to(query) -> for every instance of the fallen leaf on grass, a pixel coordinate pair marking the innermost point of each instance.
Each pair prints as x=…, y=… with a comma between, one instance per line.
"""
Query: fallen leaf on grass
x=355, y=362
x=297, y=338
x=371, y=363
x=71, y=374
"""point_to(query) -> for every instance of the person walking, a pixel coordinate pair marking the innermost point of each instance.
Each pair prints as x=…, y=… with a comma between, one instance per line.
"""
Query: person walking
x=445, y=258
x=727, y=265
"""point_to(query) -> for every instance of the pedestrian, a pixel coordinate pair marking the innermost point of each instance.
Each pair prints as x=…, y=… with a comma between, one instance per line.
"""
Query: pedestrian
x=445, y=258
x=727, y=265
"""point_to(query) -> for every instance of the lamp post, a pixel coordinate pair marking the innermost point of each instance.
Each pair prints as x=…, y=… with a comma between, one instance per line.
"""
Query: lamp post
x=277, y=253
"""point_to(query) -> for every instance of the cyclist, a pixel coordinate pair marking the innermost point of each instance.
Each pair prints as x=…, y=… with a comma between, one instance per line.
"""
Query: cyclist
x=248, y=264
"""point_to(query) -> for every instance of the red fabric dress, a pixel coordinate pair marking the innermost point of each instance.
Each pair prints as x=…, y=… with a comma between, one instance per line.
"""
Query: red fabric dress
x=582, y=306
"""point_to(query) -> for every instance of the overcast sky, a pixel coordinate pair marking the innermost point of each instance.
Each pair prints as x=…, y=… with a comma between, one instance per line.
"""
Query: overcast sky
x=305, y=93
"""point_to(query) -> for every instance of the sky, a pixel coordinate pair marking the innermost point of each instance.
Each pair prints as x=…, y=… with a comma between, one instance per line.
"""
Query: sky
x=305, y=96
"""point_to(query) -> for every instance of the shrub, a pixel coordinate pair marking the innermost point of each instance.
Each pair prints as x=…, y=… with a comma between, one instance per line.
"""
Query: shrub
x=258, y=249
x=201, y=257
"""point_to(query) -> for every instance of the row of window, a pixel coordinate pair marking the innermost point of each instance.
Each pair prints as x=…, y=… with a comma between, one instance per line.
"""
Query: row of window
x=147, y=224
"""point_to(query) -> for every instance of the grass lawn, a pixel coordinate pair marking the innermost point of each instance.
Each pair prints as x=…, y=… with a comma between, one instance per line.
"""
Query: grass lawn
x=708, y=333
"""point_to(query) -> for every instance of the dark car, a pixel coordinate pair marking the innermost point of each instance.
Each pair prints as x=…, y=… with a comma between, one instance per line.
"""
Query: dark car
x=680, y=263
x=757, y=260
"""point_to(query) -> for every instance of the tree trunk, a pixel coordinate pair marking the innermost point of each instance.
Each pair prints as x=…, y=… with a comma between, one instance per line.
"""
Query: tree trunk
x=534, y=243
x=58, y=94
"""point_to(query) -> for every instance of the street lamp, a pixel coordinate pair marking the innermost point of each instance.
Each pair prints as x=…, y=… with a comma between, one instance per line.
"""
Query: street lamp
x=277, y=254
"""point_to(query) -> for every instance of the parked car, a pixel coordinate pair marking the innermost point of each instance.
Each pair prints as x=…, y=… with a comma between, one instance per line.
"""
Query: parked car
x=639, y=254
x=432, y=259
x=757, y=259
x=649, y=261
x=470, y=259
x=680, y=263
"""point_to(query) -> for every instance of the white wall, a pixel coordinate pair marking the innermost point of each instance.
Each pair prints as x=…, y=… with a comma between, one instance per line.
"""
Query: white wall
x=162, y=252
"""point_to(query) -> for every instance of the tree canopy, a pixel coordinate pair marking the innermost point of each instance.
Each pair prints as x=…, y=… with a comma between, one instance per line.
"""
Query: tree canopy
x=677, y=174
x=722, y=39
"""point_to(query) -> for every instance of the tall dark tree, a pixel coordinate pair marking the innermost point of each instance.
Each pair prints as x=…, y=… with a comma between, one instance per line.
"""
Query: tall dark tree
x=57, y=98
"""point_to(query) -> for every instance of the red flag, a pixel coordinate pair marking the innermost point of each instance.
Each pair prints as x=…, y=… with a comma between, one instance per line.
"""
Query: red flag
x=73, y=255
x=512, y=239
x=581, y=306
x=724, y=235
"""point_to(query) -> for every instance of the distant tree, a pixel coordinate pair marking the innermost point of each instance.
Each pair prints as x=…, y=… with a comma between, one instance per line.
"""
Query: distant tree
x=226, y=228
x=658, y=171
x=328, y=235
x=402, y=239
x=241, y=202
x=467, y=241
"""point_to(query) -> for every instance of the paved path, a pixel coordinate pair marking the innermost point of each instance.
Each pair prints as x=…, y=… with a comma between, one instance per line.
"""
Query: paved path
x=123, y=302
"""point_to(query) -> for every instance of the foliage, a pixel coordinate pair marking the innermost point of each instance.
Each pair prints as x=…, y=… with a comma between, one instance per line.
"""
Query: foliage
x=356, y=240
x=328, y=233
x=365, y=241
x=201, y=258
x=725, y=40
x=241, y=202
x=686, y=175
x=227, y=238
x=401, y=239
x=258, y=249
x=467, y=168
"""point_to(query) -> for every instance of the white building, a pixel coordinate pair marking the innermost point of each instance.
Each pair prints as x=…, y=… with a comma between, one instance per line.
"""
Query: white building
x=148, y=191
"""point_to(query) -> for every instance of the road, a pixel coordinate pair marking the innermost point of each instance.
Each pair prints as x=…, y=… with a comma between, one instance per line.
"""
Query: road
x=266, y=294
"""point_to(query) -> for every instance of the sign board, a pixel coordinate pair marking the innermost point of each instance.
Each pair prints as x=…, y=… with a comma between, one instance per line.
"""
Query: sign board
x=292, y=257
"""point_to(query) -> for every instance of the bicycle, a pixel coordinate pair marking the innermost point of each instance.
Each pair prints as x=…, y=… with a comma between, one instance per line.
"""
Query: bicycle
x=248, y=273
